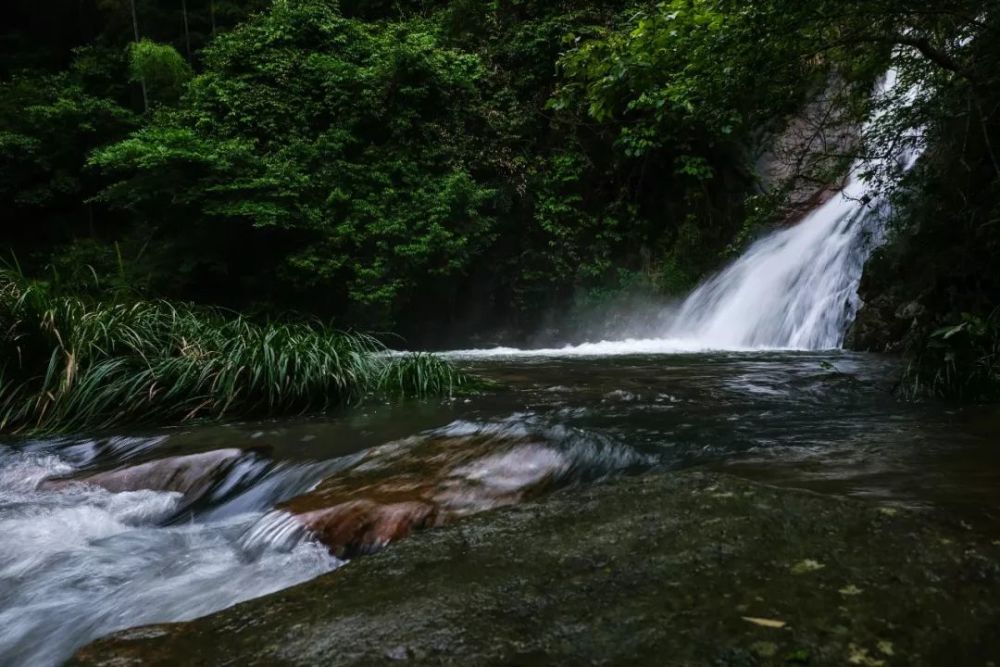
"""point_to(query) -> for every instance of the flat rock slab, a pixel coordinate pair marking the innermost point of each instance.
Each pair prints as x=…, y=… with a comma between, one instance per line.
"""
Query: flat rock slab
x=665, y=569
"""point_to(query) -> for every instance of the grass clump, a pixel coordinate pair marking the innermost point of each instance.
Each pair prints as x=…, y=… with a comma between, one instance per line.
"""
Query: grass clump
x=69, y=364
x=957, y=362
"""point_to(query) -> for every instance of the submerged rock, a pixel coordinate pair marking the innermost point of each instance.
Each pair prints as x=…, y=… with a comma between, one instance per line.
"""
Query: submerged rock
x=192, y=475
x=666, y=569
x=403, y=487
x=360, y=527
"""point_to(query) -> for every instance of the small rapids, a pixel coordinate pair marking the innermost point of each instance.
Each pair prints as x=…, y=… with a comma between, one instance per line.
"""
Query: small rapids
x=78, y=561
x=81, y=562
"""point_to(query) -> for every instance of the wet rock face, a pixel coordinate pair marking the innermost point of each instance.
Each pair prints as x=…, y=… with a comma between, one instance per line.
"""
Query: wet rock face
x=408, y=486
x=678, y=569
x=192, y=476
x=360, y=527
x=805, y=160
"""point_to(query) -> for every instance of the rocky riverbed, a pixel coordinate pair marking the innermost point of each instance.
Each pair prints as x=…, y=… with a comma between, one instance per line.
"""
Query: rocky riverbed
x=689, y=568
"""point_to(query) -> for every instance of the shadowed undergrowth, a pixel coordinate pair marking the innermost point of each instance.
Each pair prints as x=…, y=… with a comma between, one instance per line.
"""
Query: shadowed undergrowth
x=958, y=362
x=69, y=364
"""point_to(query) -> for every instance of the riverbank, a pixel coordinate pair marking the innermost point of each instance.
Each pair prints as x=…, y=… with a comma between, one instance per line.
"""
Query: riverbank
x=687, y=568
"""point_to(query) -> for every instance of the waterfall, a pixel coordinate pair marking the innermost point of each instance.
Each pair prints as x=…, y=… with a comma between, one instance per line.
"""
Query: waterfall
x=795, y=288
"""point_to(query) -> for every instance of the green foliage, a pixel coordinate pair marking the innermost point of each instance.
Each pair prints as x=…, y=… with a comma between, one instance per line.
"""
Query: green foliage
x=386, y=171
x=49, y=123
x=341, y=139
x=684, y=74
x=572, y=242
x=958, y=362
x=160, y=68
x=192, y=23
x=934, y=288
x=421, y=374
x=71, y=364
x=763, y=211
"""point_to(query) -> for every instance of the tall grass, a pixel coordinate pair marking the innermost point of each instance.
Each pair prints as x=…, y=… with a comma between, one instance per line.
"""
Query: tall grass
x=68, y=364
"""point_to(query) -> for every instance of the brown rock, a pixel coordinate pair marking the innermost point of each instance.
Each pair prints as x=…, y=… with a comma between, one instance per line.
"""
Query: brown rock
x=408, y=486
x=808, y=159
x=361, y=527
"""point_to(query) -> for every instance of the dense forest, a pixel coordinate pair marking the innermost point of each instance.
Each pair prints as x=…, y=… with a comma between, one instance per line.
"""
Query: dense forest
x=444, y=169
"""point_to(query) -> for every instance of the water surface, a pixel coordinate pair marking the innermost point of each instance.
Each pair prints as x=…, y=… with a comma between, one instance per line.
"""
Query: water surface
x=80, y=562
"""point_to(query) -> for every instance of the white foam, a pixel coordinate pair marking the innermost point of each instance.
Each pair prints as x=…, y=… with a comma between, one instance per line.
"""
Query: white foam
x=605, y=348
x=81, y=562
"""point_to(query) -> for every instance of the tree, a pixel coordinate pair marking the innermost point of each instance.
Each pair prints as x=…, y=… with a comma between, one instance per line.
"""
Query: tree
x=160, y=69
x=135, y=28
x=336, y=143
x=48, y=125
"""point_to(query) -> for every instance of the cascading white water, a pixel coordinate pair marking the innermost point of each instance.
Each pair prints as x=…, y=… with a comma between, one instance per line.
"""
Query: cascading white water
x=81, y=562
x=795, y=288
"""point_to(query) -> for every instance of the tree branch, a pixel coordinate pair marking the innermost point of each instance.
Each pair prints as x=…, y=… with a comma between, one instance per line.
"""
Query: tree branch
x=932, y=53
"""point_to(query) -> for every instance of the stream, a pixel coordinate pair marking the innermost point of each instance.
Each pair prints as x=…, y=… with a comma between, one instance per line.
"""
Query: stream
x=78, y=561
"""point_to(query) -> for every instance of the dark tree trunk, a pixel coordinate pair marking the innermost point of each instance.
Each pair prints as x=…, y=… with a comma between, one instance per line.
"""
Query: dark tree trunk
x=187, y=30
x=135, y=29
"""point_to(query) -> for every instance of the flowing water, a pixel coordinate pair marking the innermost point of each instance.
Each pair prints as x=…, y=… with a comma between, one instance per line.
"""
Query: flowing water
x=796, y=288
x=79, y=562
